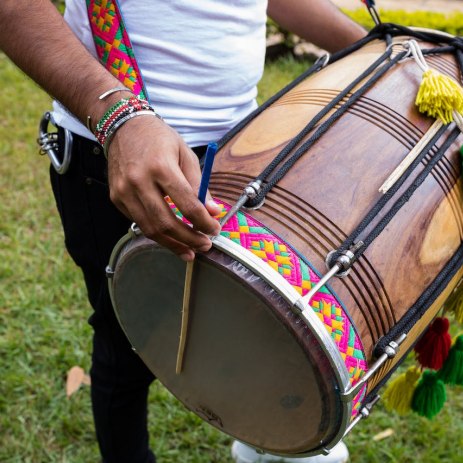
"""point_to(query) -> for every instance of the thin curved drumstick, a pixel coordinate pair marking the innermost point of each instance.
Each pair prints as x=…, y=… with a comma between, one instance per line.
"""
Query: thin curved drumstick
x=210, y=154
x=185, y=316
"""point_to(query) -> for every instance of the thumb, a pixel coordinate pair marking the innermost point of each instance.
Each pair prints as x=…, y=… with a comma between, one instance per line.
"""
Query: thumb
x=212, y=207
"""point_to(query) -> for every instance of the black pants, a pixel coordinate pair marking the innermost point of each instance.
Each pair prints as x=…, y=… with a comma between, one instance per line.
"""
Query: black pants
x=120, y=381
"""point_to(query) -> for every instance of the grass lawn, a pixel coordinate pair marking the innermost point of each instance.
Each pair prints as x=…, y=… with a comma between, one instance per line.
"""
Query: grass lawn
x=43, y=329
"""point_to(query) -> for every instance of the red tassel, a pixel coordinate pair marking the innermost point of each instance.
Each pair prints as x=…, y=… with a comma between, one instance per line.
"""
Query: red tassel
x=433, y=348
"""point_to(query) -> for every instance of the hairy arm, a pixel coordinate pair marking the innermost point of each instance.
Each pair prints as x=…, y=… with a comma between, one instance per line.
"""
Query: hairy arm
x=147, y=159
x=317, y=21
x=35, y=36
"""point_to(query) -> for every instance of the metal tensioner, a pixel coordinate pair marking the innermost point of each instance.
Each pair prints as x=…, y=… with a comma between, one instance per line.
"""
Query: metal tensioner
x=250, y=191
x=340, y=269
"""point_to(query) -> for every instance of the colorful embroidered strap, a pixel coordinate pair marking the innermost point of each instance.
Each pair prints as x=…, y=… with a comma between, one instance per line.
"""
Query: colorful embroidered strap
x=113, y=44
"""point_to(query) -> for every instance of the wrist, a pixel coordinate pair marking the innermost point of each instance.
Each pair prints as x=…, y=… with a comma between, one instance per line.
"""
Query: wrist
x=103, y=102
x=117, y=115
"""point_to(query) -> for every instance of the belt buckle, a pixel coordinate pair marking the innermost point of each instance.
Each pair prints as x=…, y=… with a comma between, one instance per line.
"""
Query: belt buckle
x=48, y=143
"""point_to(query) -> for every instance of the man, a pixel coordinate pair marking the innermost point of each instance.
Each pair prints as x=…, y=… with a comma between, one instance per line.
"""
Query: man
x=201, y=62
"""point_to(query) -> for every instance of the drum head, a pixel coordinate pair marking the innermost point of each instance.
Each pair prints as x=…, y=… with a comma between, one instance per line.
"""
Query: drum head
x=251, y=367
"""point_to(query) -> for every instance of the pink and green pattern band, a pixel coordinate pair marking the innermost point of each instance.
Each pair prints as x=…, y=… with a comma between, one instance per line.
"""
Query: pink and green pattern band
x=113, y=45
x=263, y=243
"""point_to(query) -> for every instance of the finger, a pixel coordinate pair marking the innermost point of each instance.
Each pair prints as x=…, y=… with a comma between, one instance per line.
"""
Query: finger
x=135, y=209
x=161, y=223
x=186, y=197
x=212, y=207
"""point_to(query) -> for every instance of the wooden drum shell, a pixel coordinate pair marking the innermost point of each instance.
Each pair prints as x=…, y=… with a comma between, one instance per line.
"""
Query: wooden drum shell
x=332, y=187
x=253, y=367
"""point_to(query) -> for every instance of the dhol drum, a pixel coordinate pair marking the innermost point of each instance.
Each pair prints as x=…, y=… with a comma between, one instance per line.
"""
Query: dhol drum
x=276, y=353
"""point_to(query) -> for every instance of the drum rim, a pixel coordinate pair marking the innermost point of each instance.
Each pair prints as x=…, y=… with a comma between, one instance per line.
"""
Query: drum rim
x=282, y=287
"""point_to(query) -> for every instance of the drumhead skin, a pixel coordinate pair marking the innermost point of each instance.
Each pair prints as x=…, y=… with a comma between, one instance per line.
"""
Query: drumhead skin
x=251, y=367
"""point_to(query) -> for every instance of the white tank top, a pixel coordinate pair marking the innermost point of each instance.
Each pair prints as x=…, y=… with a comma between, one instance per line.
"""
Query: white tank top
x=200, y=60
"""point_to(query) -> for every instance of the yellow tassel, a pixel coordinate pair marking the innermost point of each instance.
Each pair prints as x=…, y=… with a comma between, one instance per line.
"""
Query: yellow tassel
x=458, y=312
x=399, y=393
x=454, y=304
x=439, y=95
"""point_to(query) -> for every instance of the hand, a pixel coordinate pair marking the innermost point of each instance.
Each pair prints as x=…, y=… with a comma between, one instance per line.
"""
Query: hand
x=148, y=160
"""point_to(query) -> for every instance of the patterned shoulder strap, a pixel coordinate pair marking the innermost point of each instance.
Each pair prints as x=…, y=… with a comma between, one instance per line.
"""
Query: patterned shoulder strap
x=113, y=44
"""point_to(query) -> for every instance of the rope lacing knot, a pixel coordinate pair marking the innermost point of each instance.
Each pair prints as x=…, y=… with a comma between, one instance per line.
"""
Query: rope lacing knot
x=383, y=29
x=457, y=43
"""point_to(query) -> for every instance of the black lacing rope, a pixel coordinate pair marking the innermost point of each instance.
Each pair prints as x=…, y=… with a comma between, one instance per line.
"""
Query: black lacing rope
x=427, y=36
x=414, y=314
x=317, y=118
x=324, y=127
x=411, y=189
x=459, y=53
x=381, y=203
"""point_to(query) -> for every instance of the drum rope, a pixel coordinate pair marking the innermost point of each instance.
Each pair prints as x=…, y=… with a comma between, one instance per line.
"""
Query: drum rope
x=325, y=126
x=424, y=35
x=381, y=203
x=318, y=117
x=426, y=299
x=278, y=175
x=409, y=192
x=459, y=55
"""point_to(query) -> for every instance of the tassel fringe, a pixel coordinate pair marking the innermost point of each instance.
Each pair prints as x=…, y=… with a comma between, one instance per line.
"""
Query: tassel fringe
x=399, y=393
x=452, y=371
x=429, y=396
x=433, y=348
x=454, y=303
x=439, y=96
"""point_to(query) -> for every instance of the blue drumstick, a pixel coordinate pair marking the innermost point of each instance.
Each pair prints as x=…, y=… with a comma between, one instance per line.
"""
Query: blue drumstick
x=206, y=176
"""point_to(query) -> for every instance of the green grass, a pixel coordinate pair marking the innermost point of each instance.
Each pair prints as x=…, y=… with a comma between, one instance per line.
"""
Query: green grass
x=43, y=329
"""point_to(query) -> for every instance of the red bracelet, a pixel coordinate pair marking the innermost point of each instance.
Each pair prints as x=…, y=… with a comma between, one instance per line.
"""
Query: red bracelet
x=117, y=112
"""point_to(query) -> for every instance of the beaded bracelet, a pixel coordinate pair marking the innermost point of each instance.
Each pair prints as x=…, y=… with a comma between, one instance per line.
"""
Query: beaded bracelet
x=113, y=129
x=116, y=113
x=102, y=97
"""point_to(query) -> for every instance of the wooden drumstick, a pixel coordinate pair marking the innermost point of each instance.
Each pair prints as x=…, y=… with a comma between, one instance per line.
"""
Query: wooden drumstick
x=411, y=156
x=185, y=316
x=206, y=175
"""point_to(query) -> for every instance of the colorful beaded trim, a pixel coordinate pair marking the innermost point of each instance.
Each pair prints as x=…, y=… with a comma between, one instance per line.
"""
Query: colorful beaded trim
x=256, y=238
x=113, y=44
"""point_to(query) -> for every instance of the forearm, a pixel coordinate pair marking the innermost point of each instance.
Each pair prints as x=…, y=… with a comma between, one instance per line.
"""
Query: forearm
x=37, y=39
x=317, y=21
